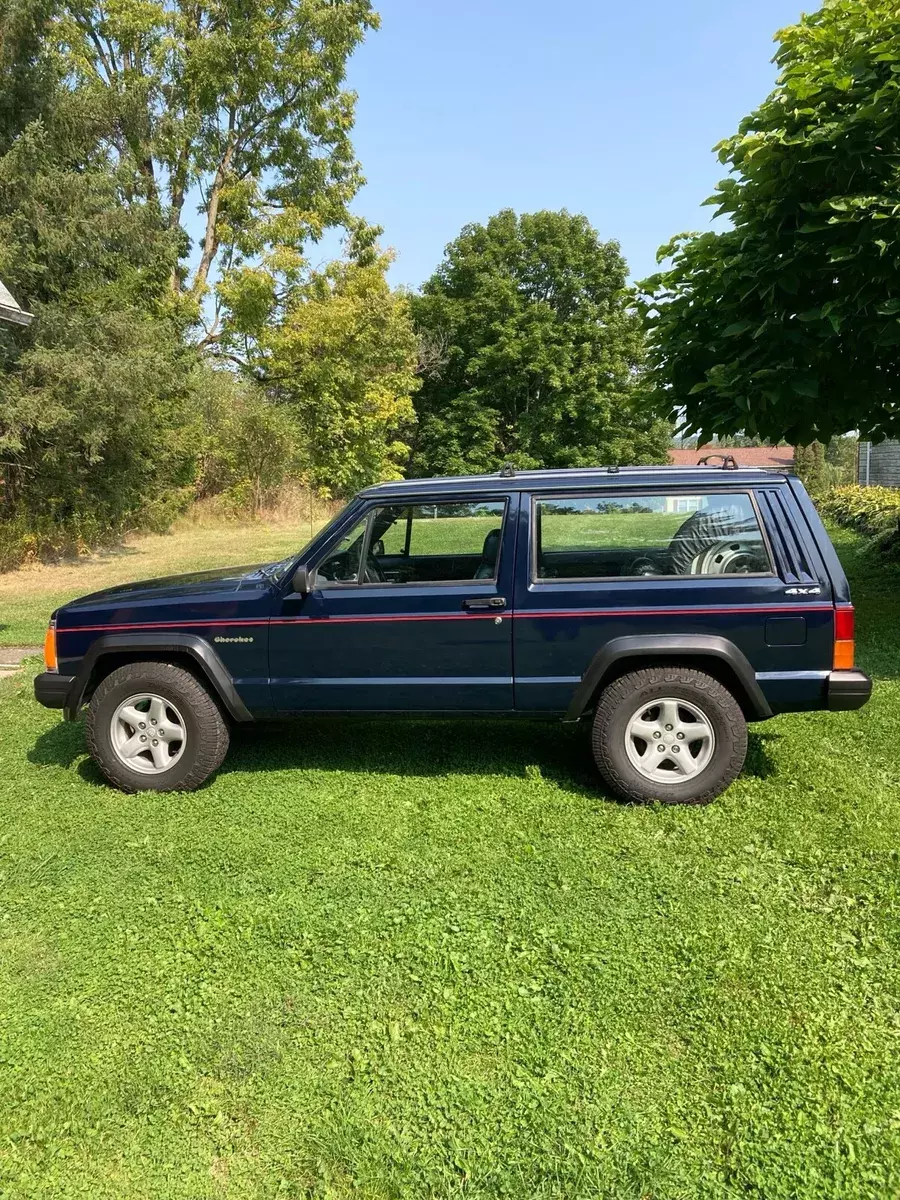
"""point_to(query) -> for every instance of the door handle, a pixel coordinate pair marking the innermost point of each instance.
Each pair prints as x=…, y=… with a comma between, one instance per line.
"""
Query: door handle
x=485, y=602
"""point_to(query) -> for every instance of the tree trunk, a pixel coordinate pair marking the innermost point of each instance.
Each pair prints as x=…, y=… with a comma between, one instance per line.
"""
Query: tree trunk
x=211, y=240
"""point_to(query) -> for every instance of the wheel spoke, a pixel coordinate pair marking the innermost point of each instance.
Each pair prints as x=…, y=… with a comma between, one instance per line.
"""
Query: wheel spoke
x=161, y=756
x=651, y=754
x=132, y=716
x=133, y=746
x=687, y=765
x=157, y=710
x=695, y=731
x=644, y=730
x=668, y=713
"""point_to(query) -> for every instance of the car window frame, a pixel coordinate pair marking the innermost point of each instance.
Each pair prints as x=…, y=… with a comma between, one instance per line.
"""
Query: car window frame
x=502, y=498
x=539, y=581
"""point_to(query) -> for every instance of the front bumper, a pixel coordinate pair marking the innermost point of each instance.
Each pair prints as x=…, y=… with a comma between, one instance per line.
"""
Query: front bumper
x=847, y=690
x=51, y=689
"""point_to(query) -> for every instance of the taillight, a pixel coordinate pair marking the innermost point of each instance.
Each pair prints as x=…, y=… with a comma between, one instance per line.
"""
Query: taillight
x=844, y=623
x=50, y=647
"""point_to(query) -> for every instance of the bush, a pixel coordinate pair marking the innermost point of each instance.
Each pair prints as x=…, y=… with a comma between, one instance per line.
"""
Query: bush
x=247, y=447
x=873, y=511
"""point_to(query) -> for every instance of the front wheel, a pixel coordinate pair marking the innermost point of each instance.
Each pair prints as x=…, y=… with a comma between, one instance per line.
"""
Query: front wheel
x=152, y=726
x=669, y=734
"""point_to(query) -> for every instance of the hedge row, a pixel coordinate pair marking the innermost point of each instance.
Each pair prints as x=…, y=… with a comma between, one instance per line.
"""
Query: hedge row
x=873, y=511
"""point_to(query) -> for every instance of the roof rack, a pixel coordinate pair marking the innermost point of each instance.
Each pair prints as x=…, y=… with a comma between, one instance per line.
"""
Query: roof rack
x=508, y=471
x=729, y=462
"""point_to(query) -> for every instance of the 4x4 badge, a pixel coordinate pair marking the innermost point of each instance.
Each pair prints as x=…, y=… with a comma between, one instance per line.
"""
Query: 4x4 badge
x=803, y=591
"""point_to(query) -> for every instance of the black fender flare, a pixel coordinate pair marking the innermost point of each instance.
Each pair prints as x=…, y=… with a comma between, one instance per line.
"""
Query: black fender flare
x=210, y=666
x=680, y=646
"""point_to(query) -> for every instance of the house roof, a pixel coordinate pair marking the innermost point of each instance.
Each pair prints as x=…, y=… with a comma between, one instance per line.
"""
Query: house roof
x=779, y=458
x=10, y=310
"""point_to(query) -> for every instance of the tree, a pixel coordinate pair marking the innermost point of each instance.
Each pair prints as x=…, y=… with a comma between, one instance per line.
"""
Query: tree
x=26, y=69
x=811, y=467
x=237, y=102
x=338, y=351
x=539, y=351
x=247, y=443
x=95, y=407
x=787, y=325
x=841, y=455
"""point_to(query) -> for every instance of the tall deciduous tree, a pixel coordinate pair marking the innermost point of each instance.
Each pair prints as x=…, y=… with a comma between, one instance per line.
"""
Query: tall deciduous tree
x=93, y=394
x=337, y=350
x=532, y=351
x=788, y=324
x=239, y=102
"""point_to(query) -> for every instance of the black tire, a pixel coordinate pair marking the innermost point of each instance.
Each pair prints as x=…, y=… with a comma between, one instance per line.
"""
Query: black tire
x=620, y=701
x=206, y=731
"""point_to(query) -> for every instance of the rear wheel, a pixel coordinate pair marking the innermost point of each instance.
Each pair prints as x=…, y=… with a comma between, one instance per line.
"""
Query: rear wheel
x=152, y=726
x=669, y=734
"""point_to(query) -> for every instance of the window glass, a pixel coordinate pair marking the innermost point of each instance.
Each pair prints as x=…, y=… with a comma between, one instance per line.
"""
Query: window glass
x=437, y=543
x=606, y=536
x=341, y=566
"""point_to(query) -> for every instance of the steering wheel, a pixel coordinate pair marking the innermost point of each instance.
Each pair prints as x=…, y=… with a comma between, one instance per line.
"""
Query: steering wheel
x=373, y=572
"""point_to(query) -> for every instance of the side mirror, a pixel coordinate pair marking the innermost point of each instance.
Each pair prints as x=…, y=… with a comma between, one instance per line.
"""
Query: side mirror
x=301, y=581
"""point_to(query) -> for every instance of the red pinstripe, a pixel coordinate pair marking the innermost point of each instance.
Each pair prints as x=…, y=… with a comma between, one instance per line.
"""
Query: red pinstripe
x=525, y=614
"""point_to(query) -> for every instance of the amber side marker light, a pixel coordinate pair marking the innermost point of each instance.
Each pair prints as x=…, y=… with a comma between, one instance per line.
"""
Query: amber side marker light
x=844, y=623
x=50, y=647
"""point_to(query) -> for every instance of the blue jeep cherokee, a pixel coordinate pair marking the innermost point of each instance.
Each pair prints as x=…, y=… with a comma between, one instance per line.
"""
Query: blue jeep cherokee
x=668, y=606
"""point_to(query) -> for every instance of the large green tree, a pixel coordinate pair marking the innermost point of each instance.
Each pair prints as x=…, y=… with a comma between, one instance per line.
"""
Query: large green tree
x=336, y=351
x=94, y=395
x=530, y=351
x=237, y=106
x=787, y=324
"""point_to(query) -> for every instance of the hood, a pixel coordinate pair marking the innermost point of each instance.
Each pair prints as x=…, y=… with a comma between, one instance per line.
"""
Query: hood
x=222, y=579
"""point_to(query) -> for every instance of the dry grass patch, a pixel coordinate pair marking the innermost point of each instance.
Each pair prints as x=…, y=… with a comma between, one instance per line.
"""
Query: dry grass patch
x=29, y=595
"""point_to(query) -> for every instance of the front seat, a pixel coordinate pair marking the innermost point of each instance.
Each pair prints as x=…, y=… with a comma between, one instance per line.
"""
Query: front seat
x=489, y=551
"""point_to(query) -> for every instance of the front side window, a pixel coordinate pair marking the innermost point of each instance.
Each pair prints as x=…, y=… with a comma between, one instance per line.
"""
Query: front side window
x=446, y=542
x=600, y=537
x=340, y=566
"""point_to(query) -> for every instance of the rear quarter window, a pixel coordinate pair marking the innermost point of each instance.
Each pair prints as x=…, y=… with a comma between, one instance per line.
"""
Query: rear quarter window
x=658, y=534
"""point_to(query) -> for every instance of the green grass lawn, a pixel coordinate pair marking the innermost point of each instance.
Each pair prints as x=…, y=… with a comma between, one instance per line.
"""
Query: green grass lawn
x=394, y=961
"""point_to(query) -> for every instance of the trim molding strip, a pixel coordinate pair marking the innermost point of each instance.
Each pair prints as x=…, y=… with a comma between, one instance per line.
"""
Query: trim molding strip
x=521, y=614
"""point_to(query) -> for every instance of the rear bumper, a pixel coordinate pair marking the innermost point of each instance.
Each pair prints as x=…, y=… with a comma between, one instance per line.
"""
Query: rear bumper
x=51, y=689
x=848, y=689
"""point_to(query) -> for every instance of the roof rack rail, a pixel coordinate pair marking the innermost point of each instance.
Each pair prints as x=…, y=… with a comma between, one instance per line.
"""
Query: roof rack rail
x=729, y=462
x=508, y=471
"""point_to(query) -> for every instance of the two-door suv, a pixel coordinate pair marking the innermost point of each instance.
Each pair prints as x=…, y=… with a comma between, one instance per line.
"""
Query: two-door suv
x=667, y=606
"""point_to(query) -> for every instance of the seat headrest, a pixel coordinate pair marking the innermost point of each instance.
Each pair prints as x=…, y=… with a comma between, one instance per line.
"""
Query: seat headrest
x=491, y=546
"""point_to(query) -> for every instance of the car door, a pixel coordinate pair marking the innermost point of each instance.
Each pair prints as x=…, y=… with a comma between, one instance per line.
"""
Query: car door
x=407, y=611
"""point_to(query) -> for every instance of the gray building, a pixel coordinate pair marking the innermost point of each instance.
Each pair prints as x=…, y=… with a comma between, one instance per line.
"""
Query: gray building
x=879, y=464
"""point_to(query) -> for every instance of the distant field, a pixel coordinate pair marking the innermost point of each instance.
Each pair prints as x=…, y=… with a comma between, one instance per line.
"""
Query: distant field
x=604, y=531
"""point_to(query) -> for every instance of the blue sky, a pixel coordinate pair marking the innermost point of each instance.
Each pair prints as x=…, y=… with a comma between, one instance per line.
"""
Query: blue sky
x=604, y=107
